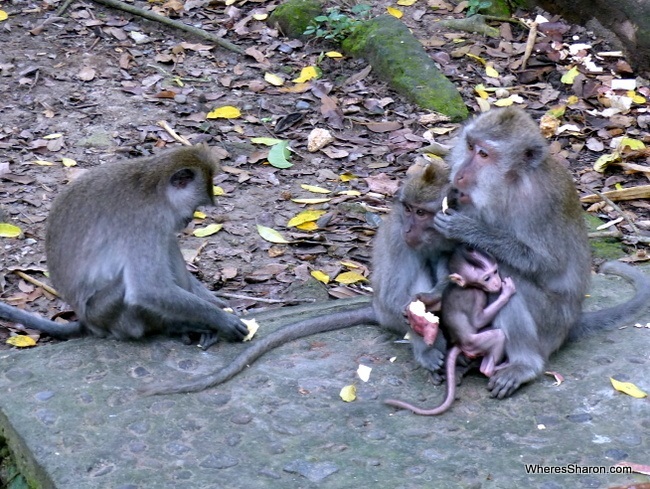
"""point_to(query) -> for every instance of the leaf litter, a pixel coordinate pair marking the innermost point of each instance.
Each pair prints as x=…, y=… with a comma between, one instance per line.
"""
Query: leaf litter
x=98, y=92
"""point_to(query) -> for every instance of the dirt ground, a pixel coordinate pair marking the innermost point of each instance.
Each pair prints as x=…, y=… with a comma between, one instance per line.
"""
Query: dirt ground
x=93, y=86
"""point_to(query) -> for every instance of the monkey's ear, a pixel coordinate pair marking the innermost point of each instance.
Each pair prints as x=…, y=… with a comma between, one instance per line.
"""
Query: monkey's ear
x=182, y=178
x=435, y=171
x=535, y=154
x=457, y=279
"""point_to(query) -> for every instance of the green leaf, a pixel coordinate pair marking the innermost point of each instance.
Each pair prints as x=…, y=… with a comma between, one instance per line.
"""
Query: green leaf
x=271, y=235
x=279, y=154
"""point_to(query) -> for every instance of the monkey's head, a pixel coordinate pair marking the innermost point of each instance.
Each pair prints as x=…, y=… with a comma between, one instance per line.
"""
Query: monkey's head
x=495, y=149
x=473, y=268
x=420, y=198
x=188, y=182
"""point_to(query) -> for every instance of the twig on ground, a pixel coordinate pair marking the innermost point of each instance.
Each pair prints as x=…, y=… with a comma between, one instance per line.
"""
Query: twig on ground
x=172, y=23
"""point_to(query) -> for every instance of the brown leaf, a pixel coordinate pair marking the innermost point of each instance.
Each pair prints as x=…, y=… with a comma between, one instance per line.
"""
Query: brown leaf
x=380, y=127
x=382, y=184
x=86, y=73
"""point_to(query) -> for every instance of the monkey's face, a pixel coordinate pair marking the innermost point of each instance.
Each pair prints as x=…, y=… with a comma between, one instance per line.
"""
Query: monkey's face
x=489, y=280
x=417, y=224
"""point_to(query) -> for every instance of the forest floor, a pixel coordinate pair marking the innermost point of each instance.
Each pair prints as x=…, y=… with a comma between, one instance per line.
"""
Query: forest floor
x=94, y=85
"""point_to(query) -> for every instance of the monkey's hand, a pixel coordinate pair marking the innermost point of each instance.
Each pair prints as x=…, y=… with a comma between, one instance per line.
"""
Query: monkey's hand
x=508, y=287
x=431, y=300
x=454, y=225
x=231, y=327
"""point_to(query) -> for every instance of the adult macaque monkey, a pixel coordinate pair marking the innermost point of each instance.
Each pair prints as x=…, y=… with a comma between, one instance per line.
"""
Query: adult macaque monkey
x=408, y=257
x=113, y=256
x=466, y=316
x=519, y=205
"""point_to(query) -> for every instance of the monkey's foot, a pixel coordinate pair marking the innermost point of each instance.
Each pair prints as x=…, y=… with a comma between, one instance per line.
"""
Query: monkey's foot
x=428, y=356
x=508, y=379
x=207, y=340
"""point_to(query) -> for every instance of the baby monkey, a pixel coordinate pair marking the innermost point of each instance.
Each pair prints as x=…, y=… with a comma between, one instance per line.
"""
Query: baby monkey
x=466, y=317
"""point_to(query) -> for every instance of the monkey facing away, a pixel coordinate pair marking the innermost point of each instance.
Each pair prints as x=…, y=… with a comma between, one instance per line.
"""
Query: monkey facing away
x=112, y=251
x=466, y=316
x=409, y=257
x=519, y=205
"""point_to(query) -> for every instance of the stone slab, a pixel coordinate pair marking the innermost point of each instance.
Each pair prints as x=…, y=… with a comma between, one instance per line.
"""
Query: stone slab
x=73, y=418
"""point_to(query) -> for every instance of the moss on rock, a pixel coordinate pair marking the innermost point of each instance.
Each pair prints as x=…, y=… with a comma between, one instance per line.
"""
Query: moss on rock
x=398, y=57
x=293, y=16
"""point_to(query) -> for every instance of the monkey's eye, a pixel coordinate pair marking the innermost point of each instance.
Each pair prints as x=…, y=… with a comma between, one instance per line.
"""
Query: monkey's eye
x=421, y=213
x=407, y=209
x=482, y=153
x=470, y=146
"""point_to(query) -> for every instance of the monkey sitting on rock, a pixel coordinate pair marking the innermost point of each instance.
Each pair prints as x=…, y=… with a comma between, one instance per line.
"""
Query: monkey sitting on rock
x=518, y=204
x=112, y=252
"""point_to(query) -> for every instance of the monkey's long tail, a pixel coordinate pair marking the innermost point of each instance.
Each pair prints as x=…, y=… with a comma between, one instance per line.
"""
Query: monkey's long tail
x=321, y=324
x=611, y=317
x=63, y=330
x=451, y=390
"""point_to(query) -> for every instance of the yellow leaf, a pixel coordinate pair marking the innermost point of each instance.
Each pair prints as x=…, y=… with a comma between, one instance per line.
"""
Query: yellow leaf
x=315, y=189
x=406, y=3
x=476, y=58
x=333, y=54
x=349, y=264
x=346, y=177
x=306, y=74
x=310, y=201
x=604, y=160
x=364, y=373
x=628, y=388
x=260, y=17
x=266, y=141
x=9, y=230
x=352, y=193
x=252, y=326
x=307, y=226
x=320, y=276
x=273, y=79
x=480, y=90
x=208, y=230
x=68, y=162
x=557, y=111
x=224, y=112
x=572, y=100
x=633, y=144
x=636, y=98
x=490, y=71
x=504, y=102
x=217, y=191
x=43, y=162
x=21, y=341
x=305, y=216
x=348, y=278
x=200, y=215
x=3, y=15
x=394, y=12
x=53, y=136
x=349, y=392
x=570, y=76
x=271, y=235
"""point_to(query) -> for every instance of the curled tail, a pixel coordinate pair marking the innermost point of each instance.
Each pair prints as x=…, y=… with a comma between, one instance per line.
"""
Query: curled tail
x=451, y=390
x=613, y=316
x=58, y=330
x=307, y=327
